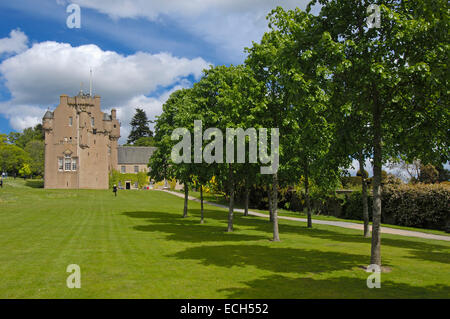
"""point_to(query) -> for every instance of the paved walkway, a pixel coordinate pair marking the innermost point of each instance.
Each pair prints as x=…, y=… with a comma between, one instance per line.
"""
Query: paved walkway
x=384, y=230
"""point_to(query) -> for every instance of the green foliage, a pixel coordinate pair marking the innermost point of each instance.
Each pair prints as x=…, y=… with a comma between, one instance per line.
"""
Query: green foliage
x=351, y=181
x=145, y=141
x=139, y=127
x=3, y=139
x=365, y=174
x=417, y=205
x=29, y=134
x=428, y=174
x=352, y=206
x=25, y=170
x=35, y=149
x=115, y=177
x=12, y=158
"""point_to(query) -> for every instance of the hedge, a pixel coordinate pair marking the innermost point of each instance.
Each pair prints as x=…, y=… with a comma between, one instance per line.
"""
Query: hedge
x=418, y=205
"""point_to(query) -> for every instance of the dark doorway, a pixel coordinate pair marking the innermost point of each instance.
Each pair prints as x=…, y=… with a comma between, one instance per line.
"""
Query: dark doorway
x=128, y=185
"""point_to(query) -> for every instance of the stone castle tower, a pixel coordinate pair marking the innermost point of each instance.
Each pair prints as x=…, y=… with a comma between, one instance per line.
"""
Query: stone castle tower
x=80, y=143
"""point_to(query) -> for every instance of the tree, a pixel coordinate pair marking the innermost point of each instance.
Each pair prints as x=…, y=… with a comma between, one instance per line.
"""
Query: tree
x=25, y=170
x=428, y=174
x=398, y=70
x=12, y=158
x=139, y=127
x=35, y=150
x=28, y=134
x=227, y=98
x=290, y=61
x=145, y=141
x=175, y=115
x=3, y=139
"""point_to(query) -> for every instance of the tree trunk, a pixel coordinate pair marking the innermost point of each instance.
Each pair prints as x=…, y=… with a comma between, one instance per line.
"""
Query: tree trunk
x=269, y=196
x=231, y=206
x=375, y=257
x=308, y=202
x=364, y=198
x=276, y=234
x=186, y=195
x=247, y=194
x=201, y=204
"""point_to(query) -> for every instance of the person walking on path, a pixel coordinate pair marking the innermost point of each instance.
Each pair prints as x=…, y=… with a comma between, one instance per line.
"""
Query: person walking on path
x=115, y=190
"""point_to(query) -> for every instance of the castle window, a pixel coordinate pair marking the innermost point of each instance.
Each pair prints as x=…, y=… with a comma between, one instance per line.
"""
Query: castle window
x=67, y=163
x=136, y=169
x=92, y=121
x=74, y=164
x=136, y=185
x=70, y=120
x=123, y=169
x=60, y=164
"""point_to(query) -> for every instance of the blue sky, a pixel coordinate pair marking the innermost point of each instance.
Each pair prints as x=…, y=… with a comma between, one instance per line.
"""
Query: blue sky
x=140, y=51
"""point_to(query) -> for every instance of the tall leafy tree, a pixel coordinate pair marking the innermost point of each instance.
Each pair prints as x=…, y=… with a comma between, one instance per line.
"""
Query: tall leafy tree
x=35, y=150
x=397, y=70
x=289, y=61
x=161, y=165
x=228, y=98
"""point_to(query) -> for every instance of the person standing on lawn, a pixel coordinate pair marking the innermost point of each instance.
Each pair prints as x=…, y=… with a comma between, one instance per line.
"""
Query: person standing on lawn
x=115, y=190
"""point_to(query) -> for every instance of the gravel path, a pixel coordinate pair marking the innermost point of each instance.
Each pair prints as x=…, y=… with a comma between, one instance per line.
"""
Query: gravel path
x=384, y=230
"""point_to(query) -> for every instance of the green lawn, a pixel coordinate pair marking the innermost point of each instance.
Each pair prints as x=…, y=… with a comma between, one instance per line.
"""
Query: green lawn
x=138, y=246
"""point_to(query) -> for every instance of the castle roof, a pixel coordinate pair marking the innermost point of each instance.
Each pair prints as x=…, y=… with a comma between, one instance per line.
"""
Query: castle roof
x=48, y=115
x=134, y=155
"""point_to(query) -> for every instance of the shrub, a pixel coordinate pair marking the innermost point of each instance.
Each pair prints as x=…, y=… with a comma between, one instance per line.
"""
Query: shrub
x=419, y=205
x=352, y=207
x=413, y=205
x=350, y=181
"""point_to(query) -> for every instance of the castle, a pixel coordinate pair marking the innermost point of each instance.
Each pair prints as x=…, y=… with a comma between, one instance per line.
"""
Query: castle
x=81, y=146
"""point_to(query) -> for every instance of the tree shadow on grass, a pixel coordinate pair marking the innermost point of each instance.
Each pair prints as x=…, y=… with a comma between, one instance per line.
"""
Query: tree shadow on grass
x=417, y=247
x=340, y=287
x=276, y=259
x=182, y=229
x=176, y=225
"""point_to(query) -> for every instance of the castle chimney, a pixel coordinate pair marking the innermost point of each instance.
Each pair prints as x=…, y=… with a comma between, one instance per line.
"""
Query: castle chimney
x=113, y=114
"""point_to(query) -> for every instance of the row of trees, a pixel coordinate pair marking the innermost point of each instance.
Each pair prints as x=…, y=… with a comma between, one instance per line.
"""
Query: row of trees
x=23, y=153
x=336, y=90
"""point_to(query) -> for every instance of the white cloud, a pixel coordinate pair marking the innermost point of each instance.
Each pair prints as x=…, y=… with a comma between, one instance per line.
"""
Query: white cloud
x=230, y=25
x=16, y=42
x=38, y=76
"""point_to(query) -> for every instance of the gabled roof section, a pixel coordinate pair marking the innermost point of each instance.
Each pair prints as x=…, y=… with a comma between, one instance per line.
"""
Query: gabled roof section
x=48, y=115
x=134, y=155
